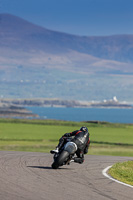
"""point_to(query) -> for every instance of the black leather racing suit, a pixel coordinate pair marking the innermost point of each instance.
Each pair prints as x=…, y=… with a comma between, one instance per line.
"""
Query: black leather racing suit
x=82, y=141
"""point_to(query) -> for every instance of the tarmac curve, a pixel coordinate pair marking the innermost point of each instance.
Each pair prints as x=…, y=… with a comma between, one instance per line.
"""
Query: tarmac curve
x=29, y=176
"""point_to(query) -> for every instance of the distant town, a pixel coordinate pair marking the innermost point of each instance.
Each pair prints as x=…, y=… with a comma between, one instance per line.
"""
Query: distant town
x=16, y=107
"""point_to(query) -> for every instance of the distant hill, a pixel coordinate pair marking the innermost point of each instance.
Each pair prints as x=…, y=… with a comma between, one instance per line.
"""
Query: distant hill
x=28, y=53
x=22, y=40
x=22, y=35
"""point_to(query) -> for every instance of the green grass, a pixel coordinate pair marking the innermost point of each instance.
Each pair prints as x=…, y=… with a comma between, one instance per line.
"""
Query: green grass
x=43, y=135
x=123, y=172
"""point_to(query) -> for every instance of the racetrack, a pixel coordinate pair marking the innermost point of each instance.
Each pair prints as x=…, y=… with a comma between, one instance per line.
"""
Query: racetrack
x=29, y=176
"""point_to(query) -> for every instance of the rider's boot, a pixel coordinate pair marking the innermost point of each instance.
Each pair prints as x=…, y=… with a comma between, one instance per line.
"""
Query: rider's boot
x=55, y=150
x=61, y=142
x=79, y=160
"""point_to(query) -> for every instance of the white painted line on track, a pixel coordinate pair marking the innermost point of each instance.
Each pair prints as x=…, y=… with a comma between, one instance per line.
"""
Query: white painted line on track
x=104, y=172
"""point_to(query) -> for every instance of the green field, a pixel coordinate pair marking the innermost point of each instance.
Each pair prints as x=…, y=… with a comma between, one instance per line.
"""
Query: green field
x=43, y=135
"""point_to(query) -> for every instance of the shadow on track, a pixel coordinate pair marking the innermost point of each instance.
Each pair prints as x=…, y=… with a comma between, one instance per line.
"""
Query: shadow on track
x=40, y=167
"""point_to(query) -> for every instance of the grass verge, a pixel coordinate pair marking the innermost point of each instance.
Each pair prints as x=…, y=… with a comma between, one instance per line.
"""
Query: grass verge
x=123, y=172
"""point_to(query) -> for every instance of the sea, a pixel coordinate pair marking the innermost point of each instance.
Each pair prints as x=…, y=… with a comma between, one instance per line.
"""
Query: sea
x=113, y=115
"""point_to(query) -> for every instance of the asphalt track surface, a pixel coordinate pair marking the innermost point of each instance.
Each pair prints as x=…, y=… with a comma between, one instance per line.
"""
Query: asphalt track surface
x=29, y=176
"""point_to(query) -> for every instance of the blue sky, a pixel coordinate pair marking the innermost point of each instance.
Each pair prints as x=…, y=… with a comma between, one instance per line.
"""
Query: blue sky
x=79, y=17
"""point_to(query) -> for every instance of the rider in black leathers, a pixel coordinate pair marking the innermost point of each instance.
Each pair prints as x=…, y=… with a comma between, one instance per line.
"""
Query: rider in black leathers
x=82, y=141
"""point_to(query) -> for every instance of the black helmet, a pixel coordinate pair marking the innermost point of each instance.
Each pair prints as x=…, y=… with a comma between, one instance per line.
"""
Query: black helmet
x=84, y=129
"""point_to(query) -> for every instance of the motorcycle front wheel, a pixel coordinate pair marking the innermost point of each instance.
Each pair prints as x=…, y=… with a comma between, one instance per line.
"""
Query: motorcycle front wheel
x=60, y=160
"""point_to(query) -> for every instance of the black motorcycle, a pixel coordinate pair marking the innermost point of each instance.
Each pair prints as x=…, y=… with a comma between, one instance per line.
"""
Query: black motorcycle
x=65, y=155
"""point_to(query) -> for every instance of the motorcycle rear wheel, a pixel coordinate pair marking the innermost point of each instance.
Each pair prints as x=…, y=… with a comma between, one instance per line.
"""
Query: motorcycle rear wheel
x=60, y=160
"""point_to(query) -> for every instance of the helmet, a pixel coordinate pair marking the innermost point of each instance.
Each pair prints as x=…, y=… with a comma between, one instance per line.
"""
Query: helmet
x=84, y=129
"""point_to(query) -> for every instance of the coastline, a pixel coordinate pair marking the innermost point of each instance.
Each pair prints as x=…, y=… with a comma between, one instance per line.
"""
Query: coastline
x=16, y=108
x=12, y=111
x=43, y=102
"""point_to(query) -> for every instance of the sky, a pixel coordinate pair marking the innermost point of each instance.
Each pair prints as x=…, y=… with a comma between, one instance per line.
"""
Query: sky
x=78, y=17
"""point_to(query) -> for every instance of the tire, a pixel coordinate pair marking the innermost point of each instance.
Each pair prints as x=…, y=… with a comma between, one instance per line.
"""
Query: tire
x=60, y=159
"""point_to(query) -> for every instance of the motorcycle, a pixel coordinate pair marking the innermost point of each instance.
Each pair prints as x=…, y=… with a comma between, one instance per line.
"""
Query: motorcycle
x=65, y=155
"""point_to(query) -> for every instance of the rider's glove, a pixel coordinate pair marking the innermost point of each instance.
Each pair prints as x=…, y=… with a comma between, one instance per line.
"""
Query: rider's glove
x=67, y=135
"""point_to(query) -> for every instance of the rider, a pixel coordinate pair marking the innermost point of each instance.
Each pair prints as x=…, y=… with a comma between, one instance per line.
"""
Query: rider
x=81, y=139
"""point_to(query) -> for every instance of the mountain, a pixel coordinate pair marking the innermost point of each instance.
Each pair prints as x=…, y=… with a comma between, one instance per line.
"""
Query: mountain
x=18, y=34
x=42, y=46
x=29, y=54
